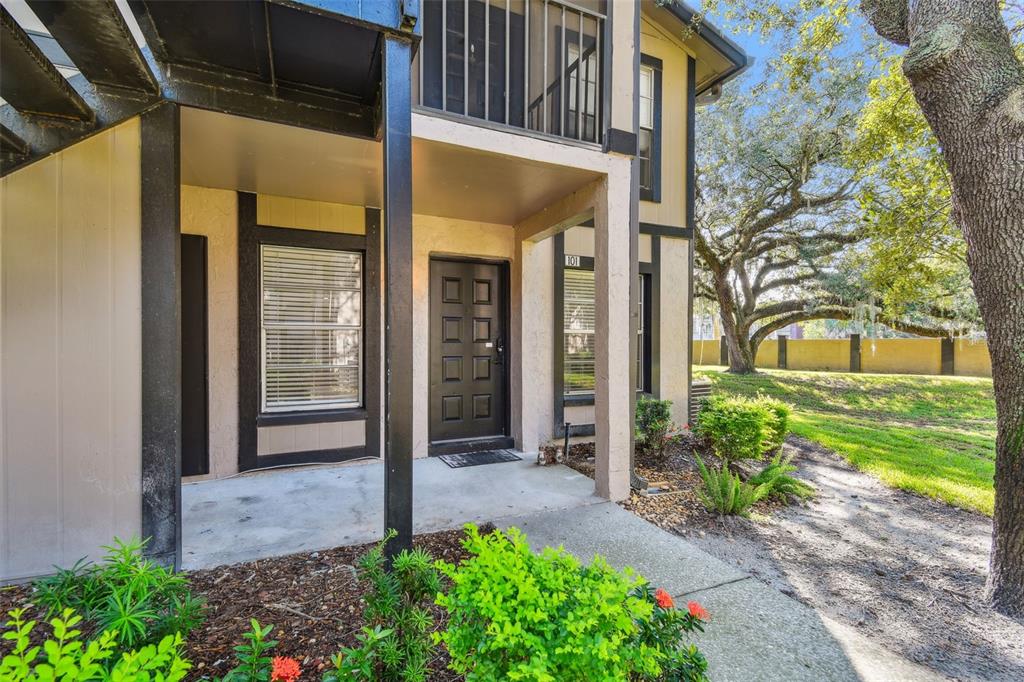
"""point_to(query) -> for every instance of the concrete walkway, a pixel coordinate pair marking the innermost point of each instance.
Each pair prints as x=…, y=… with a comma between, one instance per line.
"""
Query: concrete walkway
x=278, y=512
x=756, y=632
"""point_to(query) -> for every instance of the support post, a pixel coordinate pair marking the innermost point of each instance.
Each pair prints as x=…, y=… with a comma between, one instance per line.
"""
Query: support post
x=614, y=391
x=396, y=123
x=161, y=334
x=854, y=352
x=948, y=356
x=723, y=351
x=783, y=359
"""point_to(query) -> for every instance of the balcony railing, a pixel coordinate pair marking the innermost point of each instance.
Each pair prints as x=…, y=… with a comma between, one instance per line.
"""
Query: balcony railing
x=534, y=64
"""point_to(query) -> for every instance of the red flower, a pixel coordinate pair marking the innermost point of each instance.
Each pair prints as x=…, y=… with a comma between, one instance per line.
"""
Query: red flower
x=284, y=669
x=698, y=611
x=663, y=599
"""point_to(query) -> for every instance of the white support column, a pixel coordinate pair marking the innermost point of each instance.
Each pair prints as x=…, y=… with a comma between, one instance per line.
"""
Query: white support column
x=614, y=390
x=532, y=344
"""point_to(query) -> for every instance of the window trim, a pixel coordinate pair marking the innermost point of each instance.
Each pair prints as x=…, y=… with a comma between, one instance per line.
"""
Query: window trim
x=250, y=418
x=326, y=409
x=653, y=193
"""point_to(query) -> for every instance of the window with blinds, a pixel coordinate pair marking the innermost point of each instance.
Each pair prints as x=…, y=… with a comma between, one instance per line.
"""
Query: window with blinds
x=579, y=331
x=311, y=328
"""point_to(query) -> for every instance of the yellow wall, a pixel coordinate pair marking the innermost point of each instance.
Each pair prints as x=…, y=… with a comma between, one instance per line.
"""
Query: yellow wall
x=70, y=353
x=820, y=354
x=901, y=356
x=971, y=358
x=767, y=354
x=657, y=43
x=706, y=352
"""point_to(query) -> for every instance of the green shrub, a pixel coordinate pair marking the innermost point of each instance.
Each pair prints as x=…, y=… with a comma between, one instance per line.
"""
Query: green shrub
x=516, y=615
x=725, y=493
x=666, y=630
x=254, y=663
x=740, y=428
x=776, y=429
x=653, y=425
x=779, y=484
x=134, y=597
x=69, y=659
x=397, y=644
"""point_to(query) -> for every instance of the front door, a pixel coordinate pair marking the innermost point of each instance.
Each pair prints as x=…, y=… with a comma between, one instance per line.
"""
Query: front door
x=468, y=351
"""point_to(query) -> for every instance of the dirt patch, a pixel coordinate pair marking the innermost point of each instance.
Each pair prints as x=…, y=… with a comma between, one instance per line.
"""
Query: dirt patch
x=313, y=600
x=907, y=571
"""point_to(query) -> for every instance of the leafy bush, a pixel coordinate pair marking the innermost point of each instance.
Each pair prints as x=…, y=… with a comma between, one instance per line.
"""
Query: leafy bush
x=665, y=632
x=653, y=425
x=516, y=615
x=740, y=428
x=725, y=493
x=777, y=428
x=776, y=479
x=137, y=599
x=397, y=644
x=69, y=659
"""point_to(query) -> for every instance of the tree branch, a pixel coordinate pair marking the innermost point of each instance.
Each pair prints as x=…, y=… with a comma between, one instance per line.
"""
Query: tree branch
x=889, y=18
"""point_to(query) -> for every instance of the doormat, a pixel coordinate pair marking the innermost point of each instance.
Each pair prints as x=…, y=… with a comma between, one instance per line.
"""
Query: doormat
x=472, y=459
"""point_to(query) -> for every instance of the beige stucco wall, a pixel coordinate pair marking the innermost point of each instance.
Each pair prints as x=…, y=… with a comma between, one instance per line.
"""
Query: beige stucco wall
x=214, y=213
x=70, y=354
x=579, y=241
x=434, y=236
x=655, y=42
x=674, y=362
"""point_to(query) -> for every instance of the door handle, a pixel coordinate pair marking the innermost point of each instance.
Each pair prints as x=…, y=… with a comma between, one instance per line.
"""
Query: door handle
x=499, y=351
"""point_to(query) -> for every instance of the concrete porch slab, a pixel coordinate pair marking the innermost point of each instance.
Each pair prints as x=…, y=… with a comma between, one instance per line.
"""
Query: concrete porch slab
x=278, y=512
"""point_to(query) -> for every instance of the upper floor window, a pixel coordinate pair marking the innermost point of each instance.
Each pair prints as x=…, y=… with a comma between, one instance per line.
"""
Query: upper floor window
x=311, y=328
x=649, y=138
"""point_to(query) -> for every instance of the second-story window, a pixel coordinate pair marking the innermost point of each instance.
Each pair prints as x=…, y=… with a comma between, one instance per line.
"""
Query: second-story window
x=649, y=139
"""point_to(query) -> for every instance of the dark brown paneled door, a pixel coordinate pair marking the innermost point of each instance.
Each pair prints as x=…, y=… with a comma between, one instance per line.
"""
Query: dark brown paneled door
x=195, y=428
x=468, y=350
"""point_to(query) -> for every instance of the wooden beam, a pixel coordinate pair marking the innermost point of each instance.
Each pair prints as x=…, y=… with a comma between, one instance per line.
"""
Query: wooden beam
x=97, y=38
x=29, y=82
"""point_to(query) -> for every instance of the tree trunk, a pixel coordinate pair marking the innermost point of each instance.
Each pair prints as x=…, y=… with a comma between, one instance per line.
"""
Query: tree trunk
x=737, y=334
x=970, y=86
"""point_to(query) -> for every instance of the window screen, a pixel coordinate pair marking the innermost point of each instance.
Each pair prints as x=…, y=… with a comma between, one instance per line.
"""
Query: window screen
x=311, y=328
x=579, y=331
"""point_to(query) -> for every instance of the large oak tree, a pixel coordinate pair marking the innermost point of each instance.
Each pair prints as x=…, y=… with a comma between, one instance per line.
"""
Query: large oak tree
x=968, y=80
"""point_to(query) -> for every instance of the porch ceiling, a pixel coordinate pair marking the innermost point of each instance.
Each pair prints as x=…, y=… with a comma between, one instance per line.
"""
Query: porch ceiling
x=230, y=152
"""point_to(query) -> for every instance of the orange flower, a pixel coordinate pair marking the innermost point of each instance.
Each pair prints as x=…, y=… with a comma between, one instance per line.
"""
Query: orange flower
x=698, y=611
x=663, y=598
x=284, y=669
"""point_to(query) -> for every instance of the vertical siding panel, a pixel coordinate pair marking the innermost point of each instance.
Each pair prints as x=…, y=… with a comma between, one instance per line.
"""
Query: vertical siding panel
x=30, y=312
x=85, y=345
x=70, y=353
x=126, y=331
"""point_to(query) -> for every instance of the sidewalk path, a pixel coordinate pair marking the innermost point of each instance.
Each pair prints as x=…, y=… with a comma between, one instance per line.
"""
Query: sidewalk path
x=755, y=633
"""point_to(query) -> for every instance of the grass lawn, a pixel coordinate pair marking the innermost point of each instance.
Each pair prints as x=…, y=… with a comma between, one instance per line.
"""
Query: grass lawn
x=931, y=435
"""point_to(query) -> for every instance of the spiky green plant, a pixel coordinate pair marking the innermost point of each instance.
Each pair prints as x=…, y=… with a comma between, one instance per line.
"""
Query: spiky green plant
x=780, y=484
x=724, y=492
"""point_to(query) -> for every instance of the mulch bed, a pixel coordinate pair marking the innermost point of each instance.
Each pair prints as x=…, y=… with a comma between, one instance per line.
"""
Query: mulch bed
x=313, y=599
x=675, y=506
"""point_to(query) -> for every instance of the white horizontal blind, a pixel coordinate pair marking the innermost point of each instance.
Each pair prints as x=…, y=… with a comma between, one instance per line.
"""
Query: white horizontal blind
x=311, y=326
x=579, y=331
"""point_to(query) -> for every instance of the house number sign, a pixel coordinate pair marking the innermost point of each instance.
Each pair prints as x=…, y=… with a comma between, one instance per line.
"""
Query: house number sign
x=572, y=261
